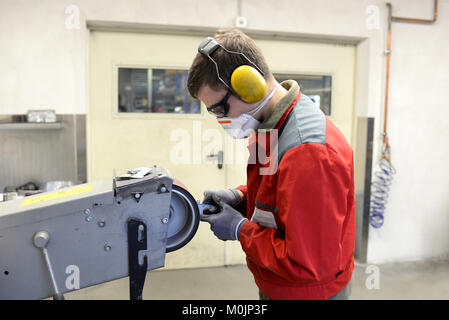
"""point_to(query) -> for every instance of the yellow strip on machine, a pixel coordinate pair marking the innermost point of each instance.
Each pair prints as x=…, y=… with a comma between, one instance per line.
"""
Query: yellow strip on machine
x=56, y=195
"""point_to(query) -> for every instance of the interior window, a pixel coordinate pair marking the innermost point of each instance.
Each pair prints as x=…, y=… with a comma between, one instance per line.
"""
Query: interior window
x=317, y=88
x=155, y=90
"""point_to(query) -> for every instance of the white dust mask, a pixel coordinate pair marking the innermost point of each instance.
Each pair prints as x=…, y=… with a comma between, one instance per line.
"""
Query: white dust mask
x=242, y=126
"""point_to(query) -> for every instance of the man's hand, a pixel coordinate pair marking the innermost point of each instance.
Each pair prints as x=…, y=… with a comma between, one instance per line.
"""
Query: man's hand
x=231, y=197
x=225, y=222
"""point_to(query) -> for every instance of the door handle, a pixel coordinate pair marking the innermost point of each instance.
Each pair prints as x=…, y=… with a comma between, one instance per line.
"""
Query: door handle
x=219, y=157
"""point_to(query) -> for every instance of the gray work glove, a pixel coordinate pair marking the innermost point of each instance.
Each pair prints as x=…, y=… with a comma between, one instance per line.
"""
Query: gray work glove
x=229, y=196
x=225, y=221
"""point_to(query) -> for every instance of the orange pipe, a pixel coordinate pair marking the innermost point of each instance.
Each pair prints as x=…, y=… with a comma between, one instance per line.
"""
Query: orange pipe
x=391, y=18
x=387, y=75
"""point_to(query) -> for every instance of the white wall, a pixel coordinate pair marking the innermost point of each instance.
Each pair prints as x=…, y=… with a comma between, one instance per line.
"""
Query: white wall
x=417, y=219
x=44, y=64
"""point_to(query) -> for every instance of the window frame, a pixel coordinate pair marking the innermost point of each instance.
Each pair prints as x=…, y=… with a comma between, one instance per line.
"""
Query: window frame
x=147, y=115
x=293, y=74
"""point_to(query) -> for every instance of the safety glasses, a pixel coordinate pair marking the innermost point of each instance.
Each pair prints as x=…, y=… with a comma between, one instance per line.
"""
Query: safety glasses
x=221, y=108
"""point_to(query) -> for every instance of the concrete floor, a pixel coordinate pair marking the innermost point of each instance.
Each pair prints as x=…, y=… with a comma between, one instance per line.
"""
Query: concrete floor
x=427, y=279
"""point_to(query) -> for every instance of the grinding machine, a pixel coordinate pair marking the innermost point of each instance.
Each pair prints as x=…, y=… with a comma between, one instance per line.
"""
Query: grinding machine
x=55, y=242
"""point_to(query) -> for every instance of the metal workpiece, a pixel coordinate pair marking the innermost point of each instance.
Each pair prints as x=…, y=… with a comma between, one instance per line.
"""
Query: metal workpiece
x=128, y=187
x=45, y=238
x=204, y=206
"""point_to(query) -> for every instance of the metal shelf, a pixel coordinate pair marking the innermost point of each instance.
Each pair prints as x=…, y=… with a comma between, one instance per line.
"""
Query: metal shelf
x=30, y=126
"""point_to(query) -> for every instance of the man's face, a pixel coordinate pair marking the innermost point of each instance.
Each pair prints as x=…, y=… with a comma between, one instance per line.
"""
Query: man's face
x=236, y=106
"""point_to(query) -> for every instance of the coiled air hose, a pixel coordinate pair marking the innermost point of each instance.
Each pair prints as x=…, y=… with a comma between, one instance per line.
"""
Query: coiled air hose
x=381, y=187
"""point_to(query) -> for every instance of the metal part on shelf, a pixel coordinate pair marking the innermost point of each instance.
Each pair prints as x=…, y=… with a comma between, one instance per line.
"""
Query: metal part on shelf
x=37, y=116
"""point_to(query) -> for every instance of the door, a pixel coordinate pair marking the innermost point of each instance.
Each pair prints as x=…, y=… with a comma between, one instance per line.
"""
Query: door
x=132, y=122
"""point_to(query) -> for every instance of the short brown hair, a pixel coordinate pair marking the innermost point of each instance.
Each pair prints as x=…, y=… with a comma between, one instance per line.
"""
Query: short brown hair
x=203, y=71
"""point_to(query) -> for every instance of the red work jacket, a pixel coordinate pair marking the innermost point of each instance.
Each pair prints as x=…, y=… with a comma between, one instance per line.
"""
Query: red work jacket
x=299, y=240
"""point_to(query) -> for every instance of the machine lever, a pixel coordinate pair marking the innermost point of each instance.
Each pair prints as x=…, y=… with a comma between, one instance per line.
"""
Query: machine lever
x=137, y=241
x=41, y=240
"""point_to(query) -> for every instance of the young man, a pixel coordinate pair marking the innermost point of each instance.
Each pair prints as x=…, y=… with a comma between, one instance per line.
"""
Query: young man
x=297, y=226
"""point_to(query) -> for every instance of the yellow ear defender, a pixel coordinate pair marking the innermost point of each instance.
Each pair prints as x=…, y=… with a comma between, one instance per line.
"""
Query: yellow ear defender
x=247, y=82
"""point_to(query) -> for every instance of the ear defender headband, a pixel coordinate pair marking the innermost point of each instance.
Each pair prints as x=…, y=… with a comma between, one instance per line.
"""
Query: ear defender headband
x=247, y=82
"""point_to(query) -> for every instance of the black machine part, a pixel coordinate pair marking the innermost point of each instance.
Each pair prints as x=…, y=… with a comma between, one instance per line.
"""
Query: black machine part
x=183, y=223
x=137, y=241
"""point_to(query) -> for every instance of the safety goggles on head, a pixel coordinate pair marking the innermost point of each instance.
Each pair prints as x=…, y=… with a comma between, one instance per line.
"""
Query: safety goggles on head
x=221, y=108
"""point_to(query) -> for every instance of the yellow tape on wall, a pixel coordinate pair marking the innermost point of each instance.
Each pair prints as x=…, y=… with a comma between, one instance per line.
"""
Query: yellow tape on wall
x=56, y=195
